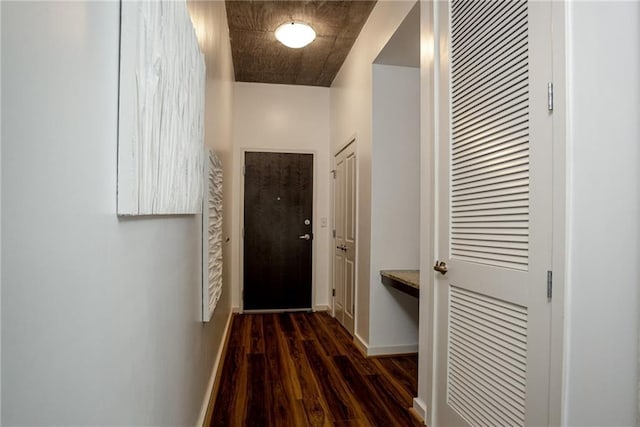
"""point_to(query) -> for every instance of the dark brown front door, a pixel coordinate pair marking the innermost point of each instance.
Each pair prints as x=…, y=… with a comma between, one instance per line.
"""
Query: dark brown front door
x=278, y=230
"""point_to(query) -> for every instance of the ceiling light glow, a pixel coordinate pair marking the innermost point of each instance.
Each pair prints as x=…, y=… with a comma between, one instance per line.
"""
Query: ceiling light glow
x=295, y=34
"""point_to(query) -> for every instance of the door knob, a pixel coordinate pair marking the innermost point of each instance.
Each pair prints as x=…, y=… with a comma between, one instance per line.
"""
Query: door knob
x=440, y=267
x=305, y=236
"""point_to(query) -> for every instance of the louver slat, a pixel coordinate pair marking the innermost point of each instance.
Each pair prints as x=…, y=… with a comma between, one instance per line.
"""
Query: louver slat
x=486, y=379
x=493, y=142
x=490, y=133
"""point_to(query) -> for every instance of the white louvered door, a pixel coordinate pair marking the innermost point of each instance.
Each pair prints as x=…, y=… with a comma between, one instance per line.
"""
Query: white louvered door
x=494, y=210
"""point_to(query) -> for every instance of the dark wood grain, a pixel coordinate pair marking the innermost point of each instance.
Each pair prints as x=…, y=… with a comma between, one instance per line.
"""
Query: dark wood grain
x=257, y=334
x=302, y=369
x=327, y=377
x=278, y=198
x=259, y=393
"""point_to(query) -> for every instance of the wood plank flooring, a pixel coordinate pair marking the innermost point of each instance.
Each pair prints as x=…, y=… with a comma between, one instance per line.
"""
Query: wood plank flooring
x=302, y=369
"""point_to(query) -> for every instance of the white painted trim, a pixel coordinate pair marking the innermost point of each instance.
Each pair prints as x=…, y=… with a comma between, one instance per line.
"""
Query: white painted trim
x=356, y=257
x=214, y=371
x=421, y=408
x=314, y=215
x=382, y=350
x=236, y=309
x=332, y=245
x=322, y=307
x=0, y=234
x=360, y=344
x=557, y=361
x=388, y=350
x=429, y=132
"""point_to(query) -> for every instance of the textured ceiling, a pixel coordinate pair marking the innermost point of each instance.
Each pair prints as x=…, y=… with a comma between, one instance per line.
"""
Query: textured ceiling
x=259, y=57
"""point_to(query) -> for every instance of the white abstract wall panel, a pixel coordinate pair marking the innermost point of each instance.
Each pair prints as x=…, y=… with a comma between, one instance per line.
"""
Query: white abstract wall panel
x=212, y=237
x=161, y=115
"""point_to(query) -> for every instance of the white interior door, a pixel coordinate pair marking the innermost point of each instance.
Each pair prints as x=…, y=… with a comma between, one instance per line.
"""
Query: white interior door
x=494, y=214
x=345, y=241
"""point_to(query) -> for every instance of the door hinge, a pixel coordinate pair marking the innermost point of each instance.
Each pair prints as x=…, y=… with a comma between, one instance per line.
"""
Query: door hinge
x=549, y=285
x=550, y=96
x=333, y=292
x=333, y=173
x=334, y=234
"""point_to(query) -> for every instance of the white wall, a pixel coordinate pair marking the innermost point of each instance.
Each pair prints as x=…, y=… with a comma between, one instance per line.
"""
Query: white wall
x=601, y=335
x=0, y=228
x=350, y=114
x=210, y=22
x=100, y=316
x=286, y=118
x=395, y=205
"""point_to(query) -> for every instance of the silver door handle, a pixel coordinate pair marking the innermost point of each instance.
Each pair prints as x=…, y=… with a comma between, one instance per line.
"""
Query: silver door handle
x=305, y=237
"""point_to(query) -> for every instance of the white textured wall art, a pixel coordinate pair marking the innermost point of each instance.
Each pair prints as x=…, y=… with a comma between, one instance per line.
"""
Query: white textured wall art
x=212, y=236
x=161, y=115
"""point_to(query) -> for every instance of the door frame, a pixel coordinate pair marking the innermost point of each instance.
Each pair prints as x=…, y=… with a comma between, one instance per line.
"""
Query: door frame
x=353, y=139
x=432, y=61
x=314, y=220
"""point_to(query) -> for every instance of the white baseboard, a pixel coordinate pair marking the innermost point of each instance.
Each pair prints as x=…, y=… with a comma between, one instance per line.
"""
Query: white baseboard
x=236, y=310
x=383, y=350
x=361, y=344
x=388, y=350
x=322, y=308
x=421, y=408
x=214, y=371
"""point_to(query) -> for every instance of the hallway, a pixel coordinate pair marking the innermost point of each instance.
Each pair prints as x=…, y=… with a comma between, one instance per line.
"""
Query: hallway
x=105, y=319
x=303, y=369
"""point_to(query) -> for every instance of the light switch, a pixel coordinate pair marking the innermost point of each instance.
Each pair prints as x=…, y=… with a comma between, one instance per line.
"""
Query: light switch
x=323, y=222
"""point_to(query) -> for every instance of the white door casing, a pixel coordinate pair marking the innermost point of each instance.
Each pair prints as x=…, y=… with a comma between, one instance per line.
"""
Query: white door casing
x=344, y=241
x=494, y=209
x=338, y=240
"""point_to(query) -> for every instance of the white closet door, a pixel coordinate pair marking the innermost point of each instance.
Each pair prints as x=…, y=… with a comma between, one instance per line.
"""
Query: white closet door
x=494, y=210
x=345, y=239
x=339, y=278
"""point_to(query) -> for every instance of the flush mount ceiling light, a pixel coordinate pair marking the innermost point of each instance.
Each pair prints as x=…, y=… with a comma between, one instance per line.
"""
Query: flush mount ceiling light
x=295, y=34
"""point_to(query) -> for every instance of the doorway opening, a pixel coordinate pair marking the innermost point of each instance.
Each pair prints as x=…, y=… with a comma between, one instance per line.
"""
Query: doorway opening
x=395, y=193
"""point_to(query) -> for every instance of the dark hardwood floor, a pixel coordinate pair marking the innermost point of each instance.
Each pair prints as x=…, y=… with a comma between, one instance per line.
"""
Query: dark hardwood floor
x=302, y=369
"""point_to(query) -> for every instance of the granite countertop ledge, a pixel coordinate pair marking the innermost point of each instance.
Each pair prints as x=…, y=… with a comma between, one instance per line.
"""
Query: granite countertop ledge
x=407, y=281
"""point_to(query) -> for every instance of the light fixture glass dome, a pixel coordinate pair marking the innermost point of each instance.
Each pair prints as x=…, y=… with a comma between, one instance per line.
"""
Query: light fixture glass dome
x=295, y=34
